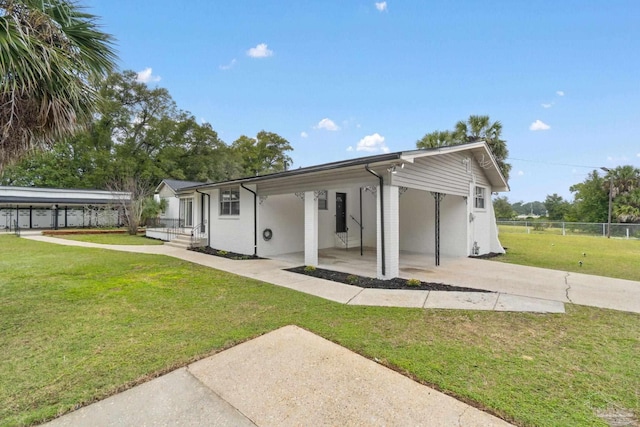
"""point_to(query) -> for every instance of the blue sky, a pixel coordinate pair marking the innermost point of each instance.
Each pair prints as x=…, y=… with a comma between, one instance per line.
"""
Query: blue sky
x=342, y=79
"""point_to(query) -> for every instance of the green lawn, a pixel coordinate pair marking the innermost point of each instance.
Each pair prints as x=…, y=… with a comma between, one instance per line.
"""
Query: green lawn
x=604, y=257
x=111, y=239
x=78, y=324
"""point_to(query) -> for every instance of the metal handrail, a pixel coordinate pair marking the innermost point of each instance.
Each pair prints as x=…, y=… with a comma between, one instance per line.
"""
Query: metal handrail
x=198, y=232
x=357, y=222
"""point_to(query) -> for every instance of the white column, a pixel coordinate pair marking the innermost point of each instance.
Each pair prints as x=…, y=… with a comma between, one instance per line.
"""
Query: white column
x=310, y=229
x=391, y=233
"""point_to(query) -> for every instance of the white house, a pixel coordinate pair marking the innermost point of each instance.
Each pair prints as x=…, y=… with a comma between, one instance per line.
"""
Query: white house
x=177, y=208
x=431, y=201
x=31, y=207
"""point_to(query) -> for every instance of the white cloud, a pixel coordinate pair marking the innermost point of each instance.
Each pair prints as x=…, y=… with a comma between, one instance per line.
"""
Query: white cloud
x=146, y=76
x=304, y=135
x=372, y=143
x=539, y=125
x=381, y=6
x=547, y=105
x=350, y=148
x=560, y=92
x=229, y=65
x=260, y=51
x=638, y=155
x=520, y=173
x=326, y=124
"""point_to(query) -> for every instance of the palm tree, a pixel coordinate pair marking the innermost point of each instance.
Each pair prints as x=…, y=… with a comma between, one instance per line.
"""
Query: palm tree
x=51, y=56
x=480, y=128
x=476, y=128
x=435, y=139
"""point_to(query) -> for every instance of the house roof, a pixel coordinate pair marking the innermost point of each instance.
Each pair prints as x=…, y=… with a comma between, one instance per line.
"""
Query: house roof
x=4, y=200
x=333, y=170
x=177, y=185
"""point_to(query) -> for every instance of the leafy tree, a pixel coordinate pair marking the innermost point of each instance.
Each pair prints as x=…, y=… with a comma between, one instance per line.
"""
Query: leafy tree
x=139, y=132
x=557, y=208
x=591, y=199
x=476, y=128
x=51, y=56
x=262, y=155
x=502, y=208
x=529, y=208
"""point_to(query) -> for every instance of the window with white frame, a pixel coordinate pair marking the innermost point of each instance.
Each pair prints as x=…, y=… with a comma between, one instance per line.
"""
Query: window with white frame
x=230, y=201
x=322, y=200
x=479, y=199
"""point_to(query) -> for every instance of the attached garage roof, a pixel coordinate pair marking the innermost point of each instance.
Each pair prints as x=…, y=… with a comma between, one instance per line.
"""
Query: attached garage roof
x=352, y=169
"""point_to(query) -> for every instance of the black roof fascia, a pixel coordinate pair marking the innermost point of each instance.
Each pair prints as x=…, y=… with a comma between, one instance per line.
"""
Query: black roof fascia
x=310, y=169
x=47, y=200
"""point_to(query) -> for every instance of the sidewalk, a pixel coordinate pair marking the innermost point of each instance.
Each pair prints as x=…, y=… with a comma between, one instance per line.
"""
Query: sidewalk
x=271, y=271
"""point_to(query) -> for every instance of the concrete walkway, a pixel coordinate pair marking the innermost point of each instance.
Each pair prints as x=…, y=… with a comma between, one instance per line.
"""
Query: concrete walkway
x=289, y=377
x=271, y=271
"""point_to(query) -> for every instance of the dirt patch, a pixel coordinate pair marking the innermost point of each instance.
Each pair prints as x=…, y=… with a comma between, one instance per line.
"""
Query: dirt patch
x=224, y=254
x=369, y=282
x=618, y=418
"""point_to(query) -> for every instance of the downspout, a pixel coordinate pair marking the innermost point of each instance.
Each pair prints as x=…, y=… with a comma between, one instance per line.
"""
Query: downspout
x=208, y=214
x=255, y=219
x=381, y=216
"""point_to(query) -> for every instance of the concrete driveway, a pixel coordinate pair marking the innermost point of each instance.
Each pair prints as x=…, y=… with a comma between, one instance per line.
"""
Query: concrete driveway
x=289, y=377
x=538, y=288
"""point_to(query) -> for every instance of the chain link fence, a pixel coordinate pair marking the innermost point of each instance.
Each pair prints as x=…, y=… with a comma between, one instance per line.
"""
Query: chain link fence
x=623, y=231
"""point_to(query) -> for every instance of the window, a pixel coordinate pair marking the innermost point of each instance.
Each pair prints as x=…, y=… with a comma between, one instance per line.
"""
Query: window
x=322, y=200
x=479, y=198
x=230, y=201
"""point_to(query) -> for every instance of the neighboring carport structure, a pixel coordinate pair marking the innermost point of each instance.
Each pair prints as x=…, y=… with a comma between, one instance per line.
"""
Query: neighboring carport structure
x=37, y=208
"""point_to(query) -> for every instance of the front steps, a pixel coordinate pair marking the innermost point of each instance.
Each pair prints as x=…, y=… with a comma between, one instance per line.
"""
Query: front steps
x=351, y=242
x=183, y=241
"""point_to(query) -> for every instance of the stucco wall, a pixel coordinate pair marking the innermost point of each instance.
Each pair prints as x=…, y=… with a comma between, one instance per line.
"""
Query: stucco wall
x=232, y=232
x=417, y=223
x=284, y=215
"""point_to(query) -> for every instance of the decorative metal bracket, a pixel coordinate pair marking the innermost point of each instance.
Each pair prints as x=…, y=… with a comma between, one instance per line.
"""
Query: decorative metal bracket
x=402, y=190
x=438, y=196
x=318, y=193
x=370, y=188
x=300, y=195
x=262, y=199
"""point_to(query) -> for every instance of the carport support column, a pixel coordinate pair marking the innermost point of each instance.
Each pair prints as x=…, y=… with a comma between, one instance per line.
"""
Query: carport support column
x=310, y=229
x=391, y=208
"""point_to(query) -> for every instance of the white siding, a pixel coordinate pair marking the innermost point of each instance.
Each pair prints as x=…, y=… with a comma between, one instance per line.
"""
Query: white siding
x=447, y=173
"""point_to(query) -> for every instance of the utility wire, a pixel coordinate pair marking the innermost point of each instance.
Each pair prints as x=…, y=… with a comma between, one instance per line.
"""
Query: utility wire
x=554, y=164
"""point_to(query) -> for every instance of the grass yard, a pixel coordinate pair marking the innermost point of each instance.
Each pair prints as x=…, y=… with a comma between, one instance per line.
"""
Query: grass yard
x=111, y=239
x=78, y=324
x=618, y=258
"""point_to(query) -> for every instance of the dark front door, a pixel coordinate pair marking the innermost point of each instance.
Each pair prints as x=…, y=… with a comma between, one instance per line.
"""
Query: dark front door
x=341, y=212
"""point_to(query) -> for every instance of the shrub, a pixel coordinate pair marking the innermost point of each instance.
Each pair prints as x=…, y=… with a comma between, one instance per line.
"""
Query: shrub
x=309, y=268
x=223, y=253
x=352, y=279
x=413, y=282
